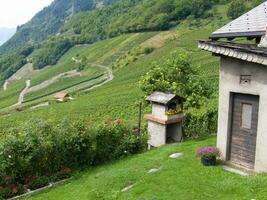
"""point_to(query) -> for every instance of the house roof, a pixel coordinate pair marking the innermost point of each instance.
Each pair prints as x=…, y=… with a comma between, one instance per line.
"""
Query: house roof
x=61, y=95
x=248, y=52
x=161, y=97
x=251, y=24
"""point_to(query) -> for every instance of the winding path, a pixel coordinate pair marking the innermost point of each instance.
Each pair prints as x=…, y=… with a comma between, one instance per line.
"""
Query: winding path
x=109, y=74
x=109, y=77
x=22, y=94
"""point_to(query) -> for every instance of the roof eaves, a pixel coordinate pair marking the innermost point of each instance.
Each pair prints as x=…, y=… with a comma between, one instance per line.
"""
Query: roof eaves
x=252, y=55
x=237, y=34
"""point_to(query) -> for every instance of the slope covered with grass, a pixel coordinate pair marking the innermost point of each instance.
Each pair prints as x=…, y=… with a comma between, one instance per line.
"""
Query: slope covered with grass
x=181, y=178
x=119, y=98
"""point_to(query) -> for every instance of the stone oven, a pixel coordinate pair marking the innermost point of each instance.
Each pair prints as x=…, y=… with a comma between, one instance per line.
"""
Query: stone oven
x=165, y=122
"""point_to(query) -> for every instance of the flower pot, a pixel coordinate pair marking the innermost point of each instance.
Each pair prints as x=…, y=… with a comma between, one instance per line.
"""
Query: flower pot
x=208, y=161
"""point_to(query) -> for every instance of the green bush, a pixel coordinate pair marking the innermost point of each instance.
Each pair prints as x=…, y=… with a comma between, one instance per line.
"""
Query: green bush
x=200, y=122
x=41, y=148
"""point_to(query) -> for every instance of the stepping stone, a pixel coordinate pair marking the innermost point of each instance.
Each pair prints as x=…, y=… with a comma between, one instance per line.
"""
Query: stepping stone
x=236, y=171
x=176, y=155
x=154, y=170
x=127, y=188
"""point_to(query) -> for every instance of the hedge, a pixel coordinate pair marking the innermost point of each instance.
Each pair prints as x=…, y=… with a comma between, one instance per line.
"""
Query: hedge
x=200, y=122
x=40, y=148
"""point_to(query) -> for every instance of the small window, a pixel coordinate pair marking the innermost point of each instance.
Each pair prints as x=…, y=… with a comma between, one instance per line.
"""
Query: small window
x=246, y=116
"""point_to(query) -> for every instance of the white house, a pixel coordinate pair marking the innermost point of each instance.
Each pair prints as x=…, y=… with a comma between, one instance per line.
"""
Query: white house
x=242, y=121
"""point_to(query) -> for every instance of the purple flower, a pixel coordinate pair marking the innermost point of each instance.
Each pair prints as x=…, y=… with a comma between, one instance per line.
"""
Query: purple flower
x=208, y=151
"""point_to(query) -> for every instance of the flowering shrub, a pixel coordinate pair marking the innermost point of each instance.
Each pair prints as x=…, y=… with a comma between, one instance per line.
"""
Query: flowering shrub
x=208, y=152
x=10, y=188
x=34, y=182
x=51, y=150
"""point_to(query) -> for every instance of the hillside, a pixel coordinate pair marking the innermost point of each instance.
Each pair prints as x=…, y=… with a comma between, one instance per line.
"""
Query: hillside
x=102, y=104
x=48, y=22
x=6, y=34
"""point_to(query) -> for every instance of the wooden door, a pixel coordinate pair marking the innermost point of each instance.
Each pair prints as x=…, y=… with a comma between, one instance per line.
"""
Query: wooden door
x=244, y=129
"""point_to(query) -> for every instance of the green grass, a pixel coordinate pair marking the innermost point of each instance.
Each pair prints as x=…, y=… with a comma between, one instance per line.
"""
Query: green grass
x=88, y=74
x=11, y=95
x=184, y=178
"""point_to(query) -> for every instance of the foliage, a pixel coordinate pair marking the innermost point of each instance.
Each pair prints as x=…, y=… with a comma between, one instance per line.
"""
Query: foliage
x=47, y=22
x=41, y=148
x=239, y=7
x=10, y=63
x=131, y=56
x=114, y=18
x=50, y=52
x=127, y=16
x=201, y=122
x=34, y=182
x=10, y=188
x=236, y=9
x=178, y=76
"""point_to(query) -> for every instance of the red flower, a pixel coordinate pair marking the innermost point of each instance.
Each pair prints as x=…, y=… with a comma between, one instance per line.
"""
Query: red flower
x=7, y=178
x=15, y=191
x=11, y=185
x=1, y=187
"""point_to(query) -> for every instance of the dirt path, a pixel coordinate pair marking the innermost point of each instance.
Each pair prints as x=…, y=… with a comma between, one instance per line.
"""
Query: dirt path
x=109, y=76
x=54, y=79
x=109, y=73
x=22, y=94
x=5, y=85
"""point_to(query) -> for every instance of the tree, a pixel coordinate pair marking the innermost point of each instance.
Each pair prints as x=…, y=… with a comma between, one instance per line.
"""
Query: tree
x=236, y=9
x=178, y=76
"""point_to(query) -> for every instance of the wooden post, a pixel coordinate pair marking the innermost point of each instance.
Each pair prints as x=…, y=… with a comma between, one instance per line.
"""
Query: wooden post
x=139, y=118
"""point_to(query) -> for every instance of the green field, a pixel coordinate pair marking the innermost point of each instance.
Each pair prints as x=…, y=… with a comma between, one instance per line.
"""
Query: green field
x=182, y=178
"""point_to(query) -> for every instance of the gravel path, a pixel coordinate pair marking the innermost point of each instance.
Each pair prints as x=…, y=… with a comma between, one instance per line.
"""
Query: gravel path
x=23, y=92
x=109, y=74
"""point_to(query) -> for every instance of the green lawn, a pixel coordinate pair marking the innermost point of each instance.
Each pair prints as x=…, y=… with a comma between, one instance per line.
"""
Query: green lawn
x=179, y=179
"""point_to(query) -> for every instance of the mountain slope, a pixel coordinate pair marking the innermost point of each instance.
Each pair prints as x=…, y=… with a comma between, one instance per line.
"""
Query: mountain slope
x=6, y=34
x=48, y=22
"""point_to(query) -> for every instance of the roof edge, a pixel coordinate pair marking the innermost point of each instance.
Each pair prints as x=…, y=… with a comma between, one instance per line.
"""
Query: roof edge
x=258, y=55
x=237, y=34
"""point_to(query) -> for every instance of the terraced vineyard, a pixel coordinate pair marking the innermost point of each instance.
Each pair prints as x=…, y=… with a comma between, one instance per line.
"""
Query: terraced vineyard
x=118, y=98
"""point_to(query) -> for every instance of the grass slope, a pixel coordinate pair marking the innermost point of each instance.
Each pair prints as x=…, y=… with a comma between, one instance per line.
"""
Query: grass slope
x=183, y=178
x=118, y=98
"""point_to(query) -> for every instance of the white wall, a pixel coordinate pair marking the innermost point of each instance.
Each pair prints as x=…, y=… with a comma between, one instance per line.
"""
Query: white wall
x=230, y=72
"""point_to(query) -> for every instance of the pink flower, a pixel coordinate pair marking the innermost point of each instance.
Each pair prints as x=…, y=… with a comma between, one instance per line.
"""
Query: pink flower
x=15, y=191
x=1, y=187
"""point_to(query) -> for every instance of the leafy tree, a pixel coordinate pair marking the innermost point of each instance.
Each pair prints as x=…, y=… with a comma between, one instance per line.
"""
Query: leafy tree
x=177, y=75
x=236, y=9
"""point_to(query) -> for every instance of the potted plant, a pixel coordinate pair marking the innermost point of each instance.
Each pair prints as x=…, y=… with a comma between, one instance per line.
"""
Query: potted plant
x=208, y=155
